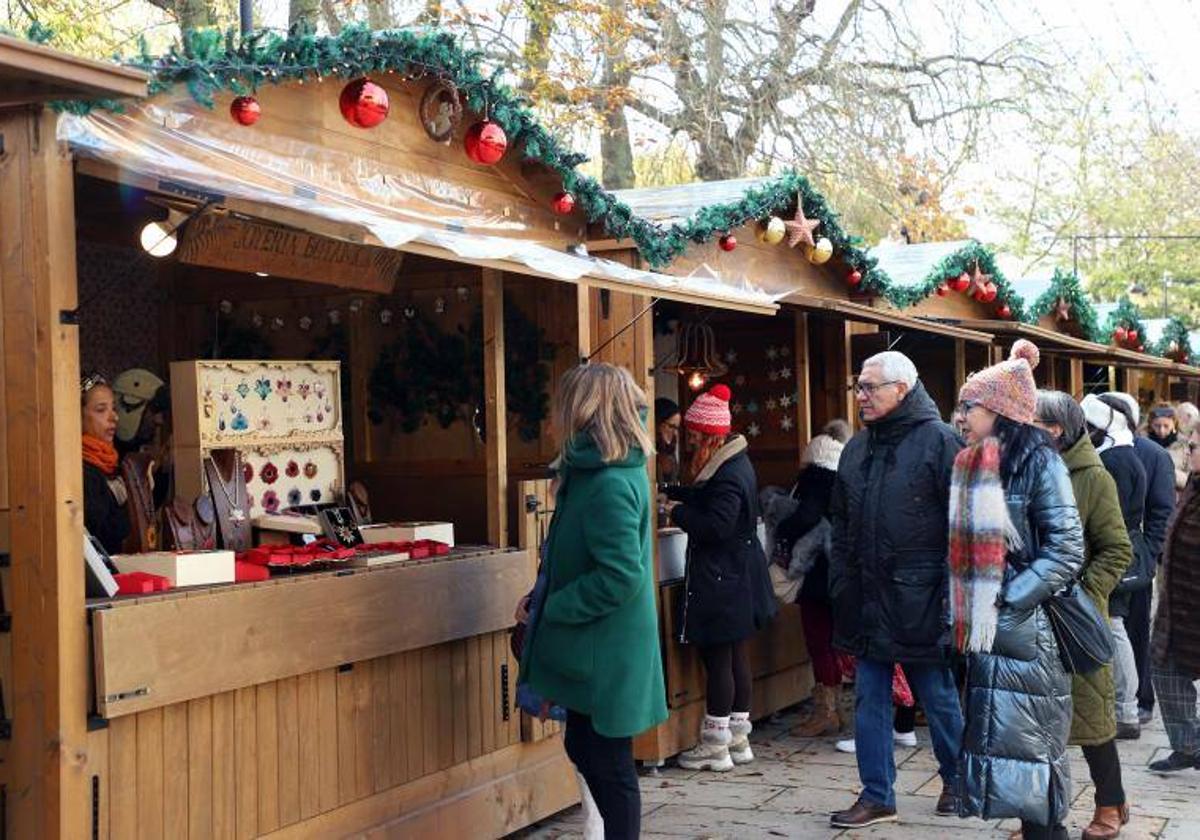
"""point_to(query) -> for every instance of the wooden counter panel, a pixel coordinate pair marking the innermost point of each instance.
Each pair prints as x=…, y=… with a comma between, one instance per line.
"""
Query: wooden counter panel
x=157, y=651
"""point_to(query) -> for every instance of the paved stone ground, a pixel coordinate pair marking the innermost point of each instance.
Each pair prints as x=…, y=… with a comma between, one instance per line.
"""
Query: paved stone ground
x=795, y=783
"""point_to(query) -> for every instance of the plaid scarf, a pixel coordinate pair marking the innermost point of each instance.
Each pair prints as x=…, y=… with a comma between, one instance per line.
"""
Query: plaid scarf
x=979, y=530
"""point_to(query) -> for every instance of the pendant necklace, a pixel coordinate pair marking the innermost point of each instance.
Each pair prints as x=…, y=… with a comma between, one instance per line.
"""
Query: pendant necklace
x=236, y=514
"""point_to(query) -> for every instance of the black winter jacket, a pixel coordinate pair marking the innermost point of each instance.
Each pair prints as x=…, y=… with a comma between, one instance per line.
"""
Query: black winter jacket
x=813, y=492
x=1160, y=494
x=727, y=591
x=1014, y=753
x=1127, y=471
x=888, y=572
x=105, y=518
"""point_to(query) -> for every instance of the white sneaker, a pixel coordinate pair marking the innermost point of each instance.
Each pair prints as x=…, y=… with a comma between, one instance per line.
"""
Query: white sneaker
x=739, y=744
x=706, y=756
x=900, y=739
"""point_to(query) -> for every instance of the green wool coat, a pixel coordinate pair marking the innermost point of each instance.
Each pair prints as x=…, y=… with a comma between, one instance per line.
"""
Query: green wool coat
x=1107, y=553
x=595, y=649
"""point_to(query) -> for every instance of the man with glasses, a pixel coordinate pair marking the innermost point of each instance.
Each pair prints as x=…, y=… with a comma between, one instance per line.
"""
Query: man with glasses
x=888, y=577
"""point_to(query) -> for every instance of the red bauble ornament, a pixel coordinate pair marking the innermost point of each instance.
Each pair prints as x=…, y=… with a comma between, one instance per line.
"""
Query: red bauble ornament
x=1133, y=336
x=364, y=104
x=563, y=203
x=854, y=278
x=990, y=290
x=942, y=290
x=1120, y=335
x=485, y=142
x=1141, y=348
x=728, y=242
x=961, y=283
x=1004, y=311
x=245, y=110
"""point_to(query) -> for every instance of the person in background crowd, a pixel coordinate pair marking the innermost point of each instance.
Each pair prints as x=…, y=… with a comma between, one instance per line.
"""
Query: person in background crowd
x=1159, y=505
x=105, y=497
x=1186, y=416
x=1107, y=554
x=838, y=429
x=808, y=530
x=1015, y=540
x=594, y=649
x=1176, y=643
x=727, y=590
x=666, y=425
x=1162, y=430
x=887, y=576
x=1112, y=436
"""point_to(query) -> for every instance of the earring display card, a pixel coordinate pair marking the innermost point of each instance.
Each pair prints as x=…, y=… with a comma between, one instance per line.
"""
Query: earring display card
x=282, y=477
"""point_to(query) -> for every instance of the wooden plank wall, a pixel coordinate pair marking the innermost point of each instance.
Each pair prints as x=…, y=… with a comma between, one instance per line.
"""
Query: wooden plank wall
x=248, y=762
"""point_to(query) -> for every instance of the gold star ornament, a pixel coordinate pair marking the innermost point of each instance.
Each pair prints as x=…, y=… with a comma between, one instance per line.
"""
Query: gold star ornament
x=800, y=229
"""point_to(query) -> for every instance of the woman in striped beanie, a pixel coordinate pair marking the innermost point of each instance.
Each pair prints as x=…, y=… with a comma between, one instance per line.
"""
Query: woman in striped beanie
x=728, y=595
x=1015, y=540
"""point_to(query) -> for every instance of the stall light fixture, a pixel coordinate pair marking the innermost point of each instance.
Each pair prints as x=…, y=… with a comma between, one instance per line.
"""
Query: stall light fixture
x=696, y=358
x=159, y=239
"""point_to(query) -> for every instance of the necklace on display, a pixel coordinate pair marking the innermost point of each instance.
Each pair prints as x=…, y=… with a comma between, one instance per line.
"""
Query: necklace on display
x=237, y=514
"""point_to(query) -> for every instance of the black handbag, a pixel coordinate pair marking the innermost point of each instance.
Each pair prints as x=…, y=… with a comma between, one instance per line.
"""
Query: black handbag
x=1084, y=637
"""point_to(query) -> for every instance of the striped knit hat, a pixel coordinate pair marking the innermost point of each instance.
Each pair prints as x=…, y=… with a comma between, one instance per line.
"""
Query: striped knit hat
x=1007, y=388
x=709, y=414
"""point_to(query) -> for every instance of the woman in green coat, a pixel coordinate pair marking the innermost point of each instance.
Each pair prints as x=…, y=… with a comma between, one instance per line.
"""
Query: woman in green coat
x=1107, y=554
x=593, y=647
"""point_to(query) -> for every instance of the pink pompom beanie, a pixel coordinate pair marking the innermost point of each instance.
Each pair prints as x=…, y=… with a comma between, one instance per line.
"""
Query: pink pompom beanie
x=1009, y=387
x=709, y=414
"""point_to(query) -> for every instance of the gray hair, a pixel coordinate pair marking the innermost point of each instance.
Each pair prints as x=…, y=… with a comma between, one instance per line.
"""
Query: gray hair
x=1185, y=417
x=1060, y=409
x=895, y=366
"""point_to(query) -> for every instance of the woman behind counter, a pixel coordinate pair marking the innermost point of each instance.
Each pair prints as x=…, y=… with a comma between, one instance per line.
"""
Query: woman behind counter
x=104, y=493
x=728, y=594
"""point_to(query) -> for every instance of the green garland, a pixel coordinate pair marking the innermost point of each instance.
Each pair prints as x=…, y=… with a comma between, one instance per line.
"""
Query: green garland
x=1125, y=315
x=1065, y=285
x=1176, y=331
x=963, y=260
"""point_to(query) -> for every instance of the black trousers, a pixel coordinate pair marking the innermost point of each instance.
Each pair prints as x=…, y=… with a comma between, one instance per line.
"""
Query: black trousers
x=1105, y=766
x=606, y=764
x=728, y=678
x=1137, y=625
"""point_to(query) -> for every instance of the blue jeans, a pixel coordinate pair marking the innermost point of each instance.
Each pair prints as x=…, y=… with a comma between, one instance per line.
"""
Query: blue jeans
x=935, y=689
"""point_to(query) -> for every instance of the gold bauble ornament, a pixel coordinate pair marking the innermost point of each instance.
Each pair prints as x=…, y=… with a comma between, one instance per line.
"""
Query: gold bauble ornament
x=775, y=231
x=820, y=252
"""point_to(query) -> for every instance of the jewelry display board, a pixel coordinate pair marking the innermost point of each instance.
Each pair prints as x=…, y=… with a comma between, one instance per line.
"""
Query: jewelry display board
x=284, y=418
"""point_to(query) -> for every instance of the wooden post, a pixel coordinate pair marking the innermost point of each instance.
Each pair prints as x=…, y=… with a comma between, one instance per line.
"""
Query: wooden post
x=803, y=381
x=583, y=311
x=960, y=365
x=849, y=404
x=1076, y=384
x=497, y=409
x=48, y=791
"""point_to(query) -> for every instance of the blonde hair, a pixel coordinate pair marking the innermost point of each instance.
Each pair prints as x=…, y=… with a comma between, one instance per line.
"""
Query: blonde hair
x=603, y=401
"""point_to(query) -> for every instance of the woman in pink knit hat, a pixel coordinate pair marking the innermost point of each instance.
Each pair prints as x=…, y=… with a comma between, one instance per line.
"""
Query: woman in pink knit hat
x=1015, y=540
x=728, y=594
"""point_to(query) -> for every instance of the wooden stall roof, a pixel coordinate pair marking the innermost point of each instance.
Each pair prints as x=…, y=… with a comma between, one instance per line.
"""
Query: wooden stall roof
x=1072, y=346
x=887, y=317
x=32, y=73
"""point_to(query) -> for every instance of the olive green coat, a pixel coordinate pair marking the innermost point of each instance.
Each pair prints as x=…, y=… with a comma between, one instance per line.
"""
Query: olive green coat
x=595, y=648
x=1107, y=553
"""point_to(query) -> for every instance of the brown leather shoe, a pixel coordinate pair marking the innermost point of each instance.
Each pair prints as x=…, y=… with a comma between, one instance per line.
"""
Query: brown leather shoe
x=863, y=814
x=947, y=804
x=1106, y=822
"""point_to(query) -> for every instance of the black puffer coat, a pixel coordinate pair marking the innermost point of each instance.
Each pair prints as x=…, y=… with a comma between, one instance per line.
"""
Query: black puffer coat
x=887, y=574
x=814, y=487
x=728, y=595
x=1127, y=471
x=1014, y=754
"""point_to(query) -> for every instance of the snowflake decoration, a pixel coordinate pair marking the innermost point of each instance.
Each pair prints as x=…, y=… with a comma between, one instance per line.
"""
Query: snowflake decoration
x=753, y=430
x=772, y=353
x=785, y=373
x=730, y=356
x=784, y=351
x=771, y=404
x=785, y=401
x=773, y=375
x=752, y=407
x=786, y=423
x=736, y=408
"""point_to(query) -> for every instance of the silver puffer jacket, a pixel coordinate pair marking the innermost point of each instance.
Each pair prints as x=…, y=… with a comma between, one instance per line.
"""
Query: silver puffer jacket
x=1013, y=762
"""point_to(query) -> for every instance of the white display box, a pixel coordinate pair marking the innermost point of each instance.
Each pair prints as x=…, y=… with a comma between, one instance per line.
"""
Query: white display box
x=442, y=532
x=186, y=568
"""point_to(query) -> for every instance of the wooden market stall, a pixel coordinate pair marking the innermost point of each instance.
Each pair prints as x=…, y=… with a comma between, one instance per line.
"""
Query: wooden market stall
x=421, y=303
x=790, y=375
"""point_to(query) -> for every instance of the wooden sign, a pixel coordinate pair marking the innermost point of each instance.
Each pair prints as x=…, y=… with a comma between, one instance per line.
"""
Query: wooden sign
x=219, y=240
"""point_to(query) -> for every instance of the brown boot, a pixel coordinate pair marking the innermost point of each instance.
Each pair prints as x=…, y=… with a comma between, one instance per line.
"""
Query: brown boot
x=824, y=718
x=1107, y=822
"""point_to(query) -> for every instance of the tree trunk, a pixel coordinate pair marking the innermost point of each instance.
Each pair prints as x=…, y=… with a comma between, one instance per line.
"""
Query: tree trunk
x=536, y=51
x=194, y=14
x=379, y=14
x=432, y=13
x=616, y=151
x=329, y=12
x=305, y=11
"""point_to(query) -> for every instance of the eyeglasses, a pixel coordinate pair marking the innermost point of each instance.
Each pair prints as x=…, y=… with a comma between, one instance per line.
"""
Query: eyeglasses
x=89, y=382
x=868, y=389
x=965, y=406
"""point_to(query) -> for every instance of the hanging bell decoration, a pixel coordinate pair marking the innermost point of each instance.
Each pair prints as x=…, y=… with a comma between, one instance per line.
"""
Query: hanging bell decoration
x=696, y=357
